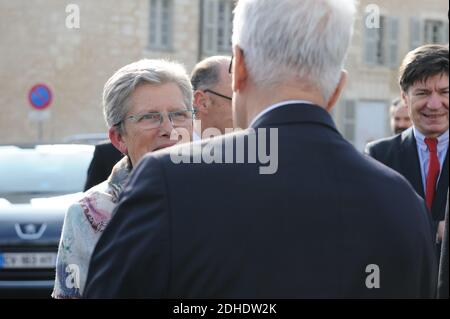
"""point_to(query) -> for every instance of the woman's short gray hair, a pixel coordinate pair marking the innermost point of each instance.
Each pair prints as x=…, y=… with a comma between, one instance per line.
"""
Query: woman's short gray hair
x=121, y=85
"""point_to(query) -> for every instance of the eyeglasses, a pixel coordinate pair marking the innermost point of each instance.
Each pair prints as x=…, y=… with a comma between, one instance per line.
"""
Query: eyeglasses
x=152, y=120
x=231, y=64
x=218, y=94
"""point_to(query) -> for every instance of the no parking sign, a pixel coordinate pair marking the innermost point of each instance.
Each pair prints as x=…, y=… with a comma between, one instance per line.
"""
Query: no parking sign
x=40, y=96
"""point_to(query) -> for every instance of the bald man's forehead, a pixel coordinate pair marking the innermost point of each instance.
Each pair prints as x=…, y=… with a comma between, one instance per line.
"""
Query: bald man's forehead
x=401, y=111
x=400, y=106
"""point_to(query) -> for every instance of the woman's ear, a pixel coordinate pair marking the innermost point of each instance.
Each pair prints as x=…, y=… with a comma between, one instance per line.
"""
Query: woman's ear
x=117, y=140
x=405, y=100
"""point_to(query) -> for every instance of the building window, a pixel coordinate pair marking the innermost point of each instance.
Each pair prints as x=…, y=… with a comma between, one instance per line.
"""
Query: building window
x=381, y=43
x=427, y=31
x=160, y=24
x=217, y=26
x=434, y=31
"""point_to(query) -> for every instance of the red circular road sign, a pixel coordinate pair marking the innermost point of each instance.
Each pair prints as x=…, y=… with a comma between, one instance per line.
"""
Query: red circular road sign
x=40, y=96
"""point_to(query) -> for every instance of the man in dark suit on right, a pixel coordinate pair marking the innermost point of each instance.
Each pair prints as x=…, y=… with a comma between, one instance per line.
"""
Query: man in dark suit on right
x=443, y=267
x=421, y=152
x=314, y=219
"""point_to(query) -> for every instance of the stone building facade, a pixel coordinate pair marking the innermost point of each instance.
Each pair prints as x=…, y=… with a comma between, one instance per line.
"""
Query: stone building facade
x=40, y=42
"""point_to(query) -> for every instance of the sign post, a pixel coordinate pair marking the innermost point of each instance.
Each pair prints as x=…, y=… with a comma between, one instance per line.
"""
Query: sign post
x=40, y=97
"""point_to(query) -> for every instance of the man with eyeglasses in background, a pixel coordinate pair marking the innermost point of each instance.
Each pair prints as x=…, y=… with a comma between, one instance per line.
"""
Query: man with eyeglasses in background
x=211, y=83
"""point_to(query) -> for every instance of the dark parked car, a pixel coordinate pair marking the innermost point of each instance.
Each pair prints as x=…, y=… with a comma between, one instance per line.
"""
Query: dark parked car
x=37, y=184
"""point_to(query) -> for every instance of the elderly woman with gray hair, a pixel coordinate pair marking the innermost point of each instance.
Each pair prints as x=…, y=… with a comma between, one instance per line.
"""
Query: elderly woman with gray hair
x=143, y=102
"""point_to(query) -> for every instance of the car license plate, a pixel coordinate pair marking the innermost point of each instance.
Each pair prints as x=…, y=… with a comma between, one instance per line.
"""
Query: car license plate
x=27, y=260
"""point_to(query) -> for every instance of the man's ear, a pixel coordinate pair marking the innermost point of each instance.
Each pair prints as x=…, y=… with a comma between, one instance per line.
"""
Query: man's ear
x=337, y=92
x=405, y=100
x=117, y=140
x=240, y=72
x=201, y=102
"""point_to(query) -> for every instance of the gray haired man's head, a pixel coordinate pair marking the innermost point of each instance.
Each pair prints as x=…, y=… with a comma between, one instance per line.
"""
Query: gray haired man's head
x=121, y=85
x=294, y=39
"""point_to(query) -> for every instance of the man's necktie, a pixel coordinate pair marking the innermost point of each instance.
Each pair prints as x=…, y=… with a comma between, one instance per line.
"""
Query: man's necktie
x=433, y=171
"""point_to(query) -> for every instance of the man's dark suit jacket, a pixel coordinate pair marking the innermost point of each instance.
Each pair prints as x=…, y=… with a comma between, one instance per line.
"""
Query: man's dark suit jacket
x=443, y=267
x=103, y=161
x=400, y=153
x=314, y=229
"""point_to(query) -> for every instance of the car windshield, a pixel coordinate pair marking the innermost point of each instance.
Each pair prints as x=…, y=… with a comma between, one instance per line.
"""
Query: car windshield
x=43, y=171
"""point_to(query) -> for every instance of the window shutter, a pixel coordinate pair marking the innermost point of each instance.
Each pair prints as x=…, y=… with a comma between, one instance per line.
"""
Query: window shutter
x=166, y=24
x=445, y=33
x=153, y=23
x=370, y=43
x=393, y=40
x=209, y=26
x=160, y=24
x=415, y=33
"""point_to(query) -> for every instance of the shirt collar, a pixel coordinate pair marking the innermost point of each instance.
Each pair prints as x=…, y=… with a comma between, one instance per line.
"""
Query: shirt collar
x=274, y=106
x=420, y=138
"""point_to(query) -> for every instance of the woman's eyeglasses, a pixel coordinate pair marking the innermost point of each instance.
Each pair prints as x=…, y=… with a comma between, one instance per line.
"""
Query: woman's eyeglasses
x=151, y=120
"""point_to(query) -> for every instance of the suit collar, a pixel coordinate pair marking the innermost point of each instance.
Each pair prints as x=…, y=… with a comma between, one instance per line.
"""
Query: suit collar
x=441, y=191
x=295, y=113
x=410, y=160
x=407, y=137
x=410, y=165
x=277, y=105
